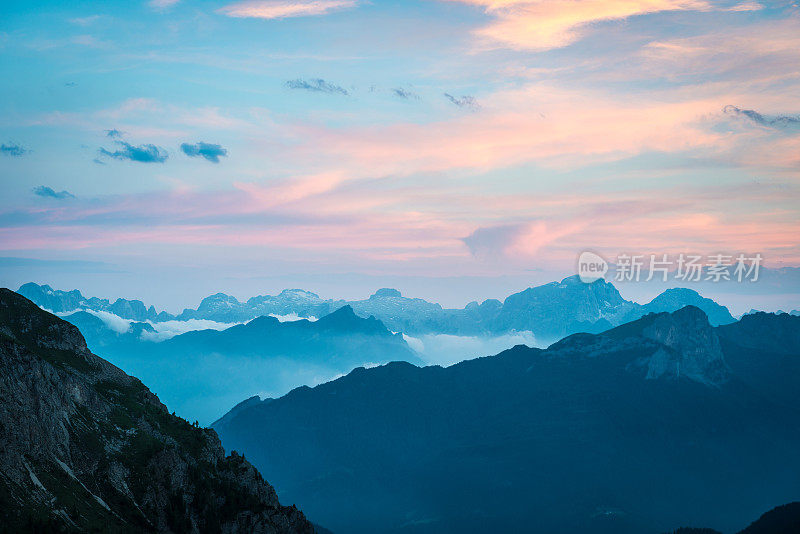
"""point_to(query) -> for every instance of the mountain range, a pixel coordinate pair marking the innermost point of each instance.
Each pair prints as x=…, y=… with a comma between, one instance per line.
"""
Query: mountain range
x=660, y=422
x=85, y=447
x=550, y=311
x=203, y=373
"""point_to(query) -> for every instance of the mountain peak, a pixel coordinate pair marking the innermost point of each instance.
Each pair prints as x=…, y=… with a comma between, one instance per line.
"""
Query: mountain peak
x=692, y=347
x=345, y=319
x=340, y=317
x=679, y=297
x=27, y=323
x=386, y=292
x=298, y=293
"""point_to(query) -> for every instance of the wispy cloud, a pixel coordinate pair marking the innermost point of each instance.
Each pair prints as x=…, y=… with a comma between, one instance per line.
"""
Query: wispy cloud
x=285, y=9
x=146, y=153
x=162, y=4
x=524, y=239
x=464, y=101
x=84, y=21
x=317, y=85
x=49, y=192
x=764, y=120
x=113, y=133
x=13, y=149
x=405, y=94
x=209, y=151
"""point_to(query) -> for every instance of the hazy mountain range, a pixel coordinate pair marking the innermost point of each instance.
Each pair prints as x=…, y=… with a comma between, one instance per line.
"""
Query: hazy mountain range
x=202, y=362
x=85, y=447
x=550, y=311
x=661, y=422
x=203, y=373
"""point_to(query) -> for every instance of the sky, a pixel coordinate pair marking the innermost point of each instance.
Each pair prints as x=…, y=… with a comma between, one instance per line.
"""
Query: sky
x=456, y=149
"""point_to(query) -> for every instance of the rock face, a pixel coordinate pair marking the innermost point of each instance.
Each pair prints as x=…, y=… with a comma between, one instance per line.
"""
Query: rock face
x=85, y=447
x=661, y=422
x=690, y=347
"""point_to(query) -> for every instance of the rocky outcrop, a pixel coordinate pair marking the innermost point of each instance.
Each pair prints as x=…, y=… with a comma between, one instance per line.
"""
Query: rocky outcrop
x=691, y=347
x=85, y=447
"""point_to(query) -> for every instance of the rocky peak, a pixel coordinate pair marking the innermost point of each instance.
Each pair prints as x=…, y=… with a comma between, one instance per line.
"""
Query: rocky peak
x=299, y=294
x=216, y=301
x=26, y=323
x=690, y=344
x=386, y=292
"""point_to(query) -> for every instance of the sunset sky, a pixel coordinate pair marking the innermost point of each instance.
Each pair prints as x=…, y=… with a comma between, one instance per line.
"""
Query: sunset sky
x=167, y=149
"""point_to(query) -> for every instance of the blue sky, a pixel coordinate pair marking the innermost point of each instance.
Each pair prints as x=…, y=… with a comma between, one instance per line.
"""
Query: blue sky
x=360, y=144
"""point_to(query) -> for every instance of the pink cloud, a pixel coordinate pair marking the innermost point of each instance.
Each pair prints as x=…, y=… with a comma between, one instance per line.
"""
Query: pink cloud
x=283, y=9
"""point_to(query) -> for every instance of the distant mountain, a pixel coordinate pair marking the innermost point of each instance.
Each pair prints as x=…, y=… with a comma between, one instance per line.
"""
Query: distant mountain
x=550, y=311
x=86, y=448
x=203, y=373
x=99, y=335
x=65, y=301
x=675, y=299
x=227, y=309
x=654, y=424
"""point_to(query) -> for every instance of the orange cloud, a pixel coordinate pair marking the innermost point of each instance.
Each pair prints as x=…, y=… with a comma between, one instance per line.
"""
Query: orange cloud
x=546, y=24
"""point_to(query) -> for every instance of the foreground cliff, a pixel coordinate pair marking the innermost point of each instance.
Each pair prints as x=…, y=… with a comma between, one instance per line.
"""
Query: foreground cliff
x=85, y=447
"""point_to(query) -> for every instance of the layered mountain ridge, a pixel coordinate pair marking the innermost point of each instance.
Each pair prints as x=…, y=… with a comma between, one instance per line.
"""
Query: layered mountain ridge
x=551, y=311
x=201, y=373
x=654, y=424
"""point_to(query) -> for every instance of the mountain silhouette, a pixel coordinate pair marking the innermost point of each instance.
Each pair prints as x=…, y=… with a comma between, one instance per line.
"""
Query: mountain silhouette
x=643, y=428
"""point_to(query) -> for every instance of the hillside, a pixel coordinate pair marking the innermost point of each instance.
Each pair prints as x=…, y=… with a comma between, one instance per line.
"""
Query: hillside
x=85, y=447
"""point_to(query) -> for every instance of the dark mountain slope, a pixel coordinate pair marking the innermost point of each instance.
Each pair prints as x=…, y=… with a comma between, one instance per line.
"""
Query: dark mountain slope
x=85, y=447
x=783, y=519
x=640, y=429
x=763, y=350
